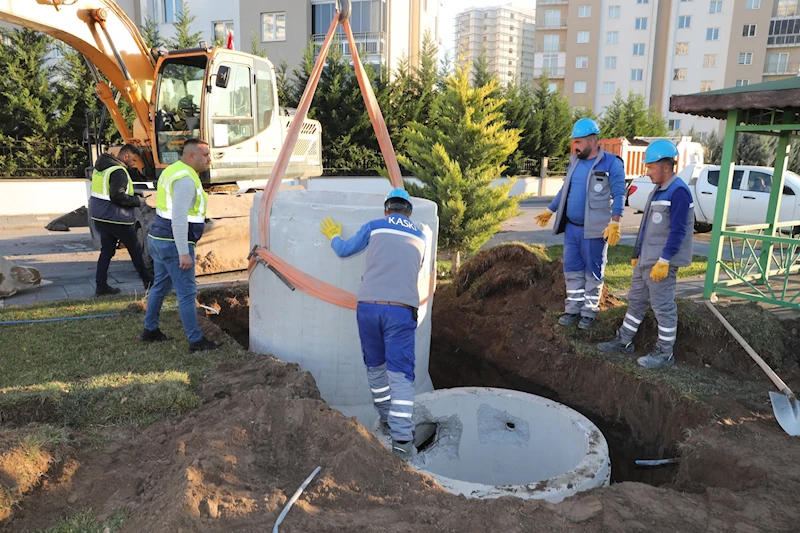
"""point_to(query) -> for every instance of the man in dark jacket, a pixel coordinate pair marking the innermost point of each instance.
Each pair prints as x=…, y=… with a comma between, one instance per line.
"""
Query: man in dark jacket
x=111, y=206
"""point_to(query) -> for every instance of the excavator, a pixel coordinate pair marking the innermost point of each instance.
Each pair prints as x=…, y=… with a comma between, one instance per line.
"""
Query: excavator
x=225, y=97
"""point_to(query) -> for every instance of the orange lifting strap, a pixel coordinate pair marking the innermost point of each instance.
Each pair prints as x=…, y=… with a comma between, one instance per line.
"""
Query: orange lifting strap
x=289, y=274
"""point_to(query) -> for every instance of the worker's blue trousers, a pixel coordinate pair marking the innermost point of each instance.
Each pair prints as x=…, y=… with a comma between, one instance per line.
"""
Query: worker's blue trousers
x=584, y=268
x=387, y=342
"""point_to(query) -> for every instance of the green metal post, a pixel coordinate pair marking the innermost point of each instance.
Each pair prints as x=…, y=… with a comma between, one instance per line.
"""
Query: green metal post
x=775, y=196
x=723, y=199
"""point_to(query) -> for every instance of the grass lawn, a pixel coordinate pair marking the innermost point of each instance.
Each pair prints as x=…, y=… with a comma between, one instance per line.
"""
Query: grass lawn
x=94, y=372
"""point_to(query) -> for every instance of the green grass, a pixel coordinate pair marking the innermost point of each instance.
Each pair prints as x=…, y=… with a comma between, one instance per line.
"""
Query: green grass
x=619, y=270
x=85, y=522
x=94, y=371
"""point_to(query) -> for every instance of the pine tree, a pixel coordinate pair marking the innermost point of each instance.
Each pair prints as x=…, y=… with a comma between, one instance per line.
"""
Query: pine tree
x=482, y=74
x=631, y=118
x=184, y=38
x=753, y=149
x=457, y=157
x=518, y=109
x=283, y=83
x=302, y=74
x=151, y=34
x=713, y=148
x=445, y=69
x=551, y=123
x=427, y=77
x=255, y=46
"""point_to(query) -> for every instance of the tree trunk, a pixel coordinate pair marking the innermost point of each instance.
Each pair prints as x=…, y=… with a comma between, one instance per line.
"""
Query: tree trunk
x=455, y=264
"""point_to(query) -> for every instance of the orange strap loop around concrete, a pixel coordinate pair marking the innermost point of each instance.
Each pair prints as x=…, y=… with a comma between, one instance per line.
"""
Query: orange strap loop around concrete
x=290, y=274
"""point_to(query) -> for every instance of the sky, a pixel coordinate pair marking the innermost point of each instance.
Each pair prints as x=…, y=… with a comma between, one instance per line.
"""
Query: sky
x=448, y=9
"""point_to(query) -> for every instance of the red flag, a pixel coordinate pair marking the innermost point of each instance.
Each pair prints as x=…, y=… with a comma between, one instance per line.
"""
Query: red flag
x=229, y=44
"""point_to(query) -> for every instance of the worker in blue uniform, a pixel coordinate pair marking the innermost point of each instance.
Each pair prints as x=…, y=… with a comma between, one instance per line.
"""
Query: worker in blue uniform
x=388, y=300
x=588, y=210
x=663, y=245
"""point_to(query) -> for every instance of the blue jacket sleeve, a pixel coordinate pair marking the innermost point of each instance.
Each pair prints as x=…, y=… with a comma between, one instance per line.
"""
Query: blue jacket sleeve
x=353, y=245
x=617, y=180
x=557, y=200
x=678, y=225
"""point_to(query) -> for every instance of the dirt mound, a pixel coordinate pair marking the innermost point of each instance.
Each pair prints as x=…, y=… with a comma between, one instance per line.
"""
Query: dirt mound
x=233, y=306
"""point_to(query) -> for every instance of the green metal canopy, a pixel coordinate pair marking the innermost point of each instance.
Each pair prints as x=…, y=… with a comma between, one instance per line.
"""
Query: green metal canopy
x=756, y=261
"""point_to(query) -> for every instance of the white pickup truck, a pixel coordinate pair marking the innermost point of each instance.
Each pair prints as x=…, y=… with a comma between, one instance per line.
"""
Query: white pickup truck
x=749, y=194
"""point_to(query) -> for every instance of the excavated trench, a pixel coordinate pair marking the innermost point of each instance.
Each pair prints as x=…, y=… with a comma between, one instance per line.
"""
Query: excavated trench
x=638, y=422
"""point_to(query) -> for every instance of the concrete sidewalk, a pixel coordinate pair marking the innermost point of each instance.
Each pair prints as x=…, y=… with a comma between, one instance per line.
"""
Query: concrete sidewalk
x=17, y=222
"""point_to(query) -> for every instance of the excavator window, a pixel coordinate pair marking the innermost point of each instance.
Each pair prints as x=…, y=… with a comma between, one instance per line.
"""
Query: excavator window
x=180, y=91
x=232, y=108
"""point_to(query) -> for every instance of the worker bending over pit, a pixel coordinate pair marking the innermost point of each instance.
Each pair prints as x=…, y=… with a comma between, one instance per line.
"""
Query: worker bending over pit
x=663, y=245
x=588, y=210
x=388, y=299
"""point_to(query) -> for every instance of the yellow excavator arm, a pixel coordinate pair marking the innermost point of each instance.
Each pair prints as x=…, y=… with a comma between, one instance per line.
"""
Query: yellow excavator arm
x=108, y=39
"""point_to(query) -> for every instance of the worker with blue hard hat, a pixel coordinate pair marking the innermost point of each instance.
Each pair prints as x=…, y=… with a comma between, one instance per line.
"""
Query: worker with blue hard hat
x=663, y=245
x=388, y=300
x=588, y=210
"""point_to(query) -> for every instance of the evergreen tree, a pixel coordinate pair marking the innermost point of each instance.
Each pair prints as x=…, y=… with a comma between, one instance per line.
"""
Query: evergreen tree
x=482, y=74
x=184, y=38
x=302, y=74
x=552, y=122
x=631, y=118
x=283, y=83
x=518, y=109
x=753, y=149
x=255, y=46
x=427, y=78
x=445, y=70
x=150, y=33
x=457, y=157
x=794, y=158
x=712, y=148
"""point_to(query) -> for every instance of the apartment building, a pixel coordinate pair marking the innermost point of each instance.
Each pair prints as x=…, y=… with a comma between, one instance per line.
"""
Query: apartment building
x=505, y=34
x=385, y=31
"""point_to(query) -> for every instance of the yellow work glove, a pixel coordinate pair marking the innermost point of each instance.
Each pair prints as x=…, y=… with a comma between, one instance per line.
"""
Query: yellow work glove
x=660, y=270
x=612, y=233
x=330, y=228
x=634, y=261
x=544, y=218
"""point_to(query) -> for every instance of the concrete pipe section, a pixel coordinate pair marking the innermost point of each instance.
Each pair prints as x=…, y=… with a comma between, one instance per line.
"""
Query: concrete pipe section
x=493, y=442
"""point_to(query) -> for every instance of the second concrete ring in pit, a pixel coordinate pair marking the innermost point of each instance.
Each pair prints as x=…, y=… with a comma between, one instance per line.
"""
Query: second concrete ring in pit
x=491, y=442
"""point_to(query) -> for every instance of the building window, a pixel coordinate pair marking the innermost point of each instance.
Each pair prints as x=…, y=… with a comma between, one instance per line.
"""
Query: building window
x=778, y=63
x=582, y=62
x=579, y=87
x=611, y=62
x=273, y=27
x=172, y=10
x=715, y=6
x=612, y=37
x=549, y=62
x=712, y=34
x=710, y=60
x=706, y=86
x=511, y=39
x=553, y=87
x=613, y=12
x=752, y=4
x=638, y=49
x=642, y=1
x=684, y=21
x=674, y=124
x=584, y=12
x=551, y=43
x=552, y=19
x=742, y=83
x=745, y=58
x=681, y=49
x=641, y=23
x=220, y=30
x=787, y=8
x=749, y=30
x=608, y=87
x=637, y=74
x=679, y=74
x=583, y=37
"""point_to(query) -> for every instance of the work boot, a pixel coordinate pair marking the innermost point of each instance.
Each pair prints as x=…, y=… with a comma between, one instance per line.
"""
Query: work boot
x=568, y=319
x=616, y=345
x=105, y=290
x=203, y=345
x=404, y=450
x=385, y=429
x=586, y=322
x=657, y=358
x=153, y=336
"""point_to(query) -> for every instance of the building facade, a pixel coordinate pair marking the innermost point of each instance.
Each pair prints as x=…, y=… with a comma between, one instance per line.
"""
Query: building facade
x=504, y=34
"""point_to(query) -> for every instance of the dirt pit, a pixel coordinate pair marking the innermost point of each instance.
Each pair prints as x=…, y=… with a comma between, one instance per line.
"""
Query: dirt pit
x=231, y=464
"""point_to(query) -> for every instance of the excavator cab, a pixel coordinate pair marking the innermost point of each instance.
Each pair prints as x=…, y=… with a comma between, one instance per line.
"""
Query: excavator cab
x=230, y=100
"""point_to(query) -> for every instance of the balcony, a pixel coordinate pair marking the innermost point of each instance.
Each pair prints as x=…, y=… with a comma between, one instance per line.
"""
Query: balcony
x=553, y=2
x=371, y=45
x=781, y=41
x=553, y=73
x=789, y=69
x=550, y=48
x=551, y=25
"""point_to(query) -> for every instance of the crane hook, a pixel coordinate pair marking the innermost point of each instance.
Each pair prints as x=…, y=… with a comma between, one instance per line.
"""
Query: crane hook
x=343, y=8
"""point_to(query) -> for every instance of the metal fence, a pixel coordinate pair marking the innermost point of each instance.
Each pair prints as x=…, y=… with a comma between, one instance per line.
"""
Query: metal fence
x=42, y=159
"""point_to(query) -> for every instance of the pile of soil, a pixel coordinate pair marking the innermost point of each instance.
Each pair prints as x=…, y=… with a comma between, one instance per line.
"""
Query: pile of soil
x=231, y=464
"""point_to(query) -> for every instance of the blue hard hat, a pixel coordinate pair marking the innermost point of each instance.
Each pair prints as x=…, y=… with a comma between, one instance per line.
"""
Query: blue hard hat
x=400, y=194
x=585, y=127
x=660, y=149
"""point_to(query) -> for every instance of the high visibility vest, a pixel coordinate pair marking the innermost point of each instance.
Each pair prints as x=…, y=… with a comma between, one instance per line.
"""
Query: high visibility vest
x=101, y=208
x=173, y=173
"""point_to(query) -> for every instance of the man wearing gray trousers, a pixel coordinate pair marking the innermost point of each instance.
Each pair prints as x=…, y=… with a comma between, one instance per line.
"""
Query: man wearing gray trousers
x=663, y=245
x=588, y=209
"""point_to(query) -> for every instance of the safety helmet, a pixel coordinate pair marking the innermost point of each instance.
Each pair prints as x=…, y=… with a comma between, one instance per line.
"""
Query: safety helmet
x=660, y=149
x=585, y=127
x=398, y=194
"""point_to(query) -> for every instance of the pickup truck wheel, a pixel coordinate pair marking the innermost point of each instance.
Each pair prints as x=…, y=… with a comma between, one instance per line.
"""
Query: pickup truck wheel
x=142, y=238
x=699, y=227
